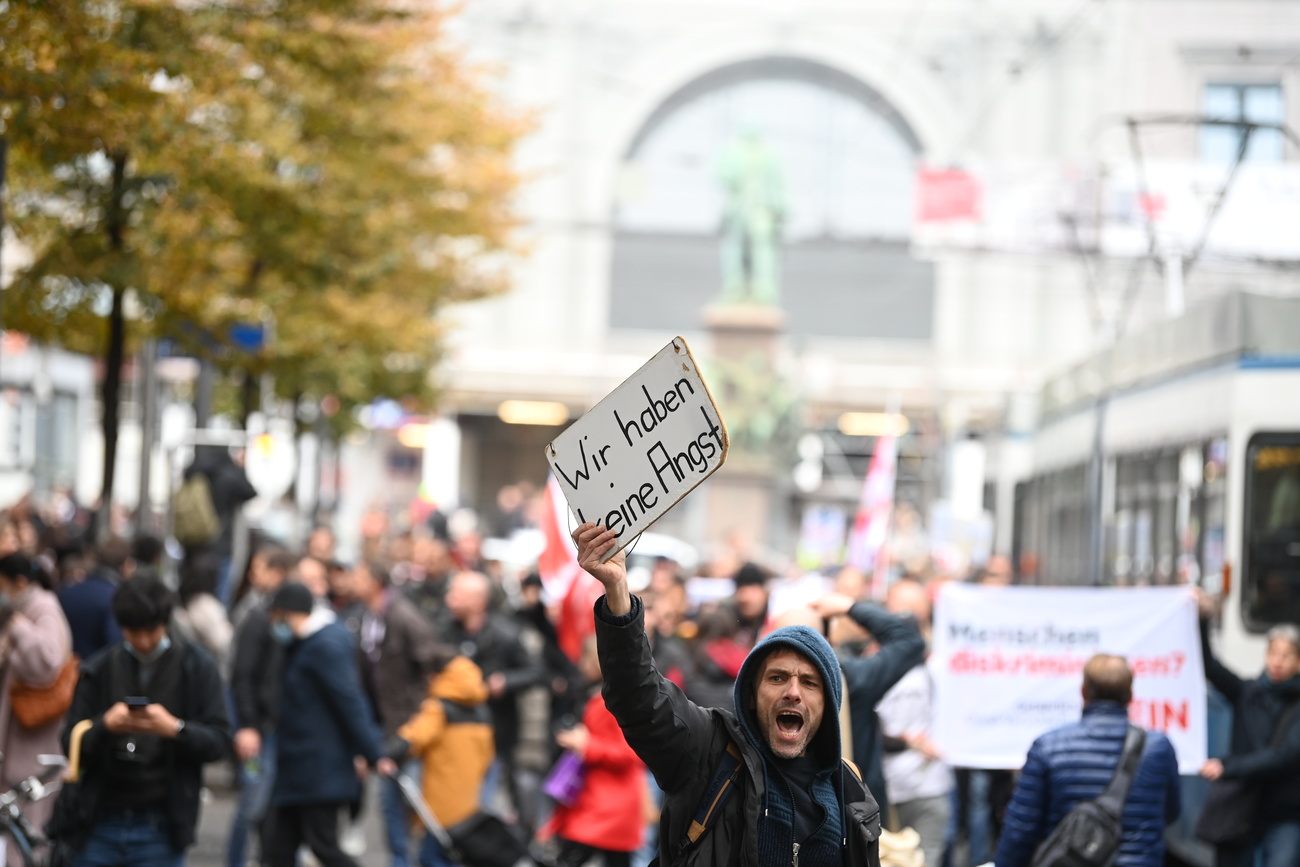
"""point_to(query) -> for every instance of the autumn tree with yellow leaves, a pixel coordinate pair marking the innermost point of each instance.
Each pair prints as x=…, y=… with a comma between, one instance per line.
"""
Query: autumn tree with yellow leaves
x=332, y=165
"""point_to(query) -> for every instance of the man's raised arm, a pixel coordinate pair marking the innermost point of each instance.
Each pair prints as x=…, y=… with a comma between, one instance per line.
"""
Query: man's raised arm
x=593, y=541
x=661, y=724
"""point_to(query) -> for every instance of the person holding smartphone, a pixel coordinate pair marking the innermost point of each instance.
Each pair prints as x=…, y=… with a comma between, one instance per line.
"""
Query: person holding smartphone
x=158, y=716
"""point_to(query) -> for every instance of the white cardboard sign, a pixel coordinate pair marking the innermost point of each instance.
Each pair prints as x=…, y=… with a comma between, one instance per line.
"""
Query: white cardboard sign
x=643, y=448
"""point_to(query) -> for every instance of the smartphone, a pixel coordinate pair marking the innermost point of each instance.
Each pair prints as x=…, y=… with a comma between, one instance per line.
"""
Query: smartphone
x=137, y=702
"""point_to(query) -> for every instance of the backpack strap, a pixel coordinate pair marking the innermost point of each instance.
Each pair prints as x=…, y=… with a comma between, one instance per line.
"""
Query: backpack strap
x=1116, y=792
x=721, y=786
x=458, y=714
x=854, y=775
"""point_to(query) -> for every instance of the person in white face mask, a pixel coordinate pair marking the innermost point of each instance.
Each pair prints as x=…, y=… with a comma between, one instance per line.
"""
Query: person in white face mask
x=326, y=730
x=157, y=715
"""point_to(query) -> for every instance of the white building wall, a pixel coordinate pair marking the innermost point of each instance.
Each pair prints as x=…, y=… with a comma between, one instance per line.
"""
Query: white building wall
x=979, y=82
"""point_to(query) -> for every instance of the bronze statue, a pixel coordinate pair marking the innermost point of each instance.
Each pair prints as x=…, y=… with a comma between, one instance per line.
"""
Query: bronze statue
x=750, y=174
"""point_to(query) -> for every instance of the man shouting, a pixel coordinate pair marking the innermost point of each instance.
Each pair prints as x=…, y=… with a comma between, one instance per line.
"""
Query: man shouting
x=789, y=800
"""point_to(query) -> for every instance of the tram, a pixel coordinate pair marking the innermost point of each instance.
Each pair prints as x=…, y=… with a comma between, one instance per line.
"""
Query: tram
x=1174, y=458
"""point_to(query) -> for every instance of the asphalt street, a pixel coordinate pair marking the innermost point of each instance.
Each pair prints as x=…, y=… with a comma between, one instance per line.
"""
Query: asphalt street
x=219, y=808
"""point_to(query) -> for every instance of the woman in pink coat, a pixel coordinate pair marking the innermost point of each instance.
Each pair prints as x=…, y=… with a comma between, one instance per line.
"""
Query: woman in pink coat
x=35, y=644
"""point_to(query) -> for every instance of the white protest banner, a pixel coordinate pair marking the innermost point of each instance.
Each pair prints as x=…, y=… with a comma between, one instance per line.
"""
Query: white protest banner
x=1008, y=666
x=646, y=445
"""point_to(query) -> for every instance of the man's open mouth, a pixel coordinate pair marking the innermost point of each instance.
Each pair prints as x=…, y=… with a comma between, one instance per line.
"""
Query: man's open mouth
x=789, y=723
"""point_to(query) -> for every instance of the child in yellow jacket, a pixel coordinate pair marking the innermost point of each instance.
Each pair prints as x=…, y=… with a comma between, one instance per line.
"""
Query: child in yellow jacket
x=452, y=736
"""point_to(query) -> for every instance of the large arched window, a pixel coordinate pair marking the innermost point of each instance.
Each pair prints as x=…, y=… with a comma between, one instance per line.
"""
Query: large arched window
x=847, y=163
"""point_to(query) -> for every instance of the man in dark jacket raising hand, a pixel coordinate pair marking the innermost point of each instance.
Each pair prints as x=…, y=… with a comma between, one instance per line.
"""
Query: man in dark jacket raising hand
x=794, y=801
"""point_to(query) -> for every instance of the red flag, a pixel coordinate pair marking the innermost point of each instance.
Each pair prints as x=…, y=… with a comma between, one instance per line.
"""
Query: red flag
x=577, y=615
x=563, y=578
x=559, y=558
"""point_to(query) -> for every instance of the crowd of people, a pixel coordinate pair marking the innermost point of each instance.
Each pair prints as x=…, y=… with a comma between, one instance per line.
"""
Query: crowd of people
x=418, y=661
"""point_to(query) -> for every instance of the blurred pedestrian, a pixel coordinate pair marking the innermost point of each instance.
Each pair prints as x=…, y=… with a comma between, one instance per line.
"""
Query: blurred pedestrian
x=750, y=604
x=230, y=489
x=716, y=659
x=426, y=579
x=200, y=617
x=35, y=651
x=663, y=617
x=314, y=575
x=399, y=654
x=451, y=737
x=917, y=780
x=267, y=570
x=868, y=678
x=607, y=817
x=257, y=662
x=564, y=676
x=159, y=715
x=321, y=544
x=146, y=555
x=325, y=730
x=1265, y=753
x=494, y=642
x=88, y=605
x=1075, y=762
x=343, y=597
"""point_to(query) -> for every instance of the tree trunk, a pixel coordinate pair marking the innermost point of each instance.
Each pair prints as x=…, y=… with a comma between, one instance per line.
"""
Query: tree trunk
x=248, y=398
x=294, y=400
x=4, y=171
x=116, y=225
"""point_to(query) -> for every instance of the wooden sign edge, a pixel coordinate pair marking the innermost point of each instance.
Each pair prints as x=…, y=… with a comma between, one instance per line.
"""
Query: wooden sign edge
x=548, y=450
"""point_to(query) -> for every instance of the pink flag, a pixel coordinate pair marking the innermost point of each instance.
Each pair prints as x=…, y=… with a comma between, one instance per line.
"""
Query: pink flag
x=871, y=523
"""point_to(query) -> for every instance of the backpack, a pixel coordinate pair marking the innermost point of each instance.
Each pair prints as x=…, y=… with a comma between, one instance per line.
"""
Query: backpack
x=1089, y=835
x=195, y=522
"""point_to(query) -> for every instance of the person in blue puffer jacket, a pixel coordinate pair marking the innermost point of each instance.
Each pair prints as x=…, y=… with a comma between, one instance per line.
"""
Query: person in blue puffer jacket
x=1074, y=763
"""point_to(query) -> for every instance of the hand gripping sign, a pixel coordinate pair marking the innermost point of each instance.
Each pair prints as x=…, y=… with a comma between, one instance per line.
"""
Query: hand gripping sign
x=643, y=448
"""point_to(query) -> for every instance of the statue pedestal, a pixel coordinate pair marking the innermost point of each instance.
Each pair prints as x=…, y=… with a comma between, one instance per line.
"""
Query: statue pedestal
x=740, y=329
x=746, y=339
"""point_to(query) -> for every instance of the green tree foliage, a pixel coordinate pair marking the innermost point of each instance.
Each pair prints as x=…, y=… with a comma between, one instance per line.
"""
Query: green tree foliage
x=179, y=166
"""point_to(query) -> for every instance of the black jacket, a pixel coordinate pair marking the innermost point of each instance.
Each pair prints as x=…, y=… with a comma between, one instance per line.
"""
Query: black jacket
x=1260, y=752
x=870, y=677
x=397, y=678
x=498, y=648
x=257, y=660
x=566, y=682
x=682, y=743
x=229, y=488
x=205, y=738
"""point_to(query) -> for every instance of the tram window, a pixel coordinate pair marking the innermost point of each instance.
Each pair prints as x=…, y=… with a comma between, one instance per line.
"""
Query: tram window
x=1271, y=556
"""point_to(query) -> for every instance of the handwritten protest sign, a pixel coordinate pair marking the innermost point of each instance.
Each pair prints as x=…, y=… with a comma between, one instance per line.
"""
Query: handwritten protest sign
x=643, y=448
x=1008, y=666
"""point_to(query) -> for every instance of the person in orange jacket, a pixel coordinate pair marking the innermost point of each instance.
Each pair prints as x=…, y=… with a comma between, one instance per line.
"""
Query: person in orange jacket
x=452, y=736
x=608, y=815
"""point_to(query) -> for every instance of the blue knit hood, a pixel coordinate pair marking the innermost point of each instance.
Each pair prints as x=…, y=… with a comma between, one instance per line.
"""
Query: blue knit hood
x=816, y=648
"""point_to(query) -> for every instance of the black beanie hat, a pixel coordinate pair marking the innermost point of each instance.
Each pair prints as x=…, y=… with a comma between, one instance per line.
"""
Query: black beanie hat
x=292, y=597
